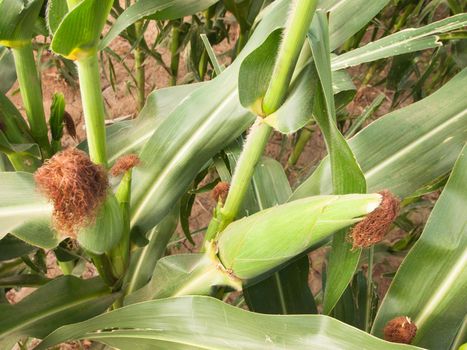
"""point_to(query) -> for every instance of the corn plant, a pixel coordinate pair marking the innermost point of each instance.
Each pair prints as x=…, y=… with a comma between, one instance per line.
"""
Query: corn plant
x=115, y=200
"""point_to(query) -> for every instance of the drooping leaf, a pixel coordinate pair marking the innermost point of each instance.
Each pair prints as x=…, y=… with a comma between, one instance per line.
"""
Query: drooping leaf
x=431, y=283
x=207, y=323
x=24, y=212
x=79, y=32
x=155, y=9
x=347, y=177
x=404, y=41
x=63, y=301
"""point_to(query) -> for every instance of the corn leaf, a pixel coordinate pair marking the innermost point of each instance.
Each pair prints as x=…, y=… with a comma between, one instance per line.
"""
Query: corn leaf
x=56, y=11
x=182, y=274
x=404, y=41
x=155, y=9
x=432, y=281
x=255, y=73
x=143, y=260
x=79, y=32
x=7, y=70
x=408, y=157
x=17, y=21
x=347, y=177
x=286, y=292
x=203, y=323
x=12, y=247
x=65, y=300
x=359, y=11
x=24, y=212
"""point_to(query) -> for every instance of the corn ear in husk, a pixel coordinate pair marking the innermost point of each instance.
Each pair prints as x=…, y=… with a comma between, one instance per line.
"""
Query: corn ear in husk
x=256, y=244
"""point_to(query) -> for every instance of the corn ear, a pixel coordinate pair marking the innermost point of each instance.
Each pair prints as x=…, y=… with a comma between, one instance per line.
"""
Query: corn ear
x=256, y=244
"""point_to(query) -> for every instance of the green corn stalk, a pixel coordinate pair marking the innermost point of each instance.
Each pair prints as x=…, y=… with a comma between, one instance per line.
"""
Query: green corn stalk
x=299, y=20
x=77, y=38
x=16, y=30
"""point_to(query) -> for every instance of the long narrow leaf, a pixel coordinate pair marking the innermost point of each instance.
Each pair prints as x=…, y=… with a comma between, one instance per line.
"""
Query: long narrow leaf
x=347, y=177
x=207, y=323
x=431, y=284
x=65, y=300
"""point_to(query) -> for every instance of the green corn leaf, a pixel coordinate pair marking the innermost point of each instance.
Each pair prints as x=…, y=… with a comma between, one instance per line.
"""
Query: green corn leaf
x=23, y=280
x=12, y=247
x=285, y=292
x=432, y=281
x=57, y=111
x=155, y=9
x=207, y=323
x=106, y=231
x=24, y=212
x=63, y=301
x=347, y=177
x=18, y=21
x=263, y=241
x=408, y=158
x=297, y=109
x=360, y=12
x=143, y=260
x=404, y=41
x=79, y=32
x=56, y=11
x=255, y=73
x=7, y=70
x=183, y=274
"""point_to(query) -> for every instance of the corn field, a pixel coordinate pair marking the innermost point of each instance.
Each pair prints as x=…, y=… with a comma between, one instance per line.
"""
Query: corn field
x=327, y=137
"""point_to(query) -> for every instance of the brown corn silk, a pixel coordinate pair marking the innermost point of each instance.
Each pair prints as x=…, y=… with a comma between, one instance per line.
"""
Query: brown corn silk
x=374, y=227
x=220, y=191
x=76, y=187
x=124, y=163
x=400, y=330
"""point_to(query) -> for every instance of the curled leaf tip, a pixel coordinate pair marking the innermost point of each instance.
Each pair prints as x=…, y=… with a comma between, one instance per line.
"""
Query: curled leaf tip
x=374, y=227
x=75, y=186
x=124, y=163
x=400, y=330
x=220, y=191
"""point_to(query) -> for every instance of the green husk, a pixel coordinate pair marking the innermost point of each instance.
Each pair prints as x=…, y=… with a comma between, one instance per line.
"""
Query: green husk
x=263, y=241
